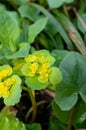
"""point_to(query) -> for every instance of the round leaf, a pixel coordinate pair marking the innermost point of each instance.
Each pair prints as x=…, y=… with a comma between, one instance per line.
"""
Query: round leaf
x=55, y=76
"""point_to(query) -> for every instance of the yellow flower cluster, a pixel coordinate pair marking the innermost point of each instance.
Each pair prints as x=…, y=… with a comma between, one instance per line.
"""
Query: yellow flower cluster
x=44, y=71
x=34, y=58
x=33, y=67
x=5, y=86
x=18, y=66
x=31, y=58
x=9, y=82
x=3, y=90
x=4, y=73
x=5, y=83
x=39, y=66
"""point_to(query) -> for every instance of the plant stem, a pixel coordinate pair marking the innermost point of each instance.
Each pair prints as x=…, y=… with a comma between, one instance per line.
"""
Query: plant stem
x=33, y=101
x=71, y=118
x=31, y=109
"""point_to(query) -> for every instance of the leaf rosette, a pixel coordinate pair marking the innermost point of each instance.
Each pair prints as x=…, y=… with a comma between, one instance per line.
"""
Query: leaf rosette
x=39, y=70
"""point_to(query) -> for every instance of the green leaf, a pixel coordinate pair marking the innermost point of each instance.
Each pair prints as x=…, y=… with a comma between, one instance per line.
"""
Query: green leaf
x=80, y=113
x=21, y=53
x=58, y=3
x=59, y=42
x=26, y=11
x=9, y=29
x=36, y=28
x=24, y=33
x=68, y=1
x=34, y=84
x=9, y=122
x=2, y=7
x=55, y=76
x=72, y=31
x=80, y=25
x=55, y=124
x=34, y=126
x=73, y=69
x=47, y=42
x=19, y=2
x=59, y=55
x=81, y=126
x=53, y=26
x=63, y=116
x=55, y=3
x=14, y=92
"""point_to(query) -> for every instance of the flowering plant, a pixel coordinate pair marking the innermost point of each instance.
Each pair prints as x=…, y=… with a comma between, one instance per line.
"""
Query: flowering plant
x=42, y=64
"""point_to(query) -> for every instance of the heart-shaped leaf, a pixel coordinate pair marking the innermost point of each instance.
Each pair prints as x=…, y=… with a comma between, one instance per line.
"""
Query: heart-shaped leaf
x=73, y=69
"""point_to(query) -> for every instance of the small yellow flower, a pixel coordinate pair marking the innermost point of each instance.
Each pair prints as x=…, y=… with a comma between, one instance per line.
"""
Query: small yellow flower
x=4, y=73
x=44, y=72
x=33, y=67
x=42, y=59
x=44, y=67
x=31, y=58
x=9, y=82
x=18, y=66
x=3, y=90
